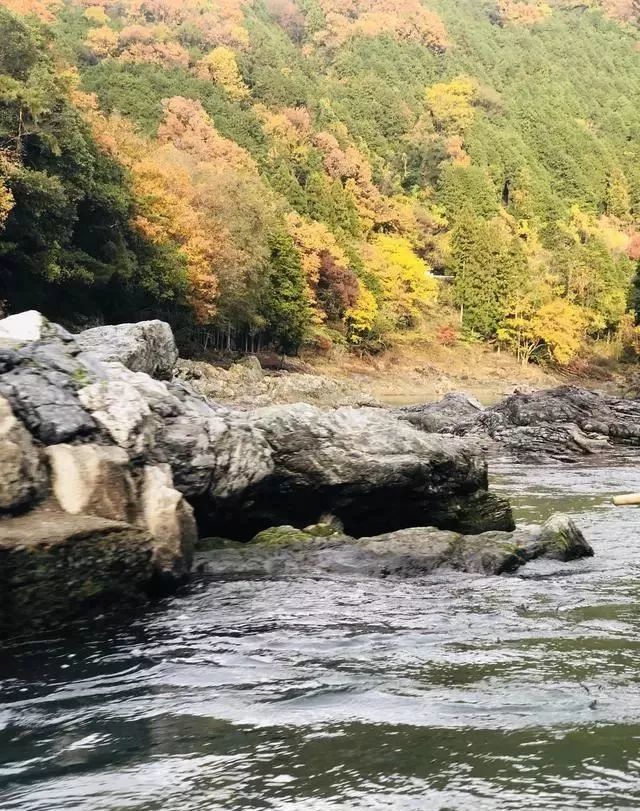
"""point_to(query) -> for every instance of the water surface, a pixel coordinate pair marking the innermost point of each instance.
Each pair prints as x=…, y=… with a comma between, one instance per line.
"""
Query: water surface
x=448, y=692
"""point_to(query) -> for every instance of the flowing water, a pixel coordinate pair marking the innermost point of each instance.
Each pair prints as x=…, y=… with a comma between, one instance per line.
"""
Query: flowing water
x=448, y=692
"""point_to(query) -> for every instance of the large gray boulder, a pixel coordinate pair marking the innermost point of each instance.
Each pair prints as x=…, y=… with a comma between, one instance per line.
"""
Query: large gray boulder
x=405, y=553
x=370, y=471
x=148, y=346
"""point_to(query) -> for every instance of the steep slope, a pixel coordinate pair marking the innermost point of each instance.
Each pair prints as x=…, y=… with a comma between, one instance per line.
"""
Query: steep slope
x=308, y=169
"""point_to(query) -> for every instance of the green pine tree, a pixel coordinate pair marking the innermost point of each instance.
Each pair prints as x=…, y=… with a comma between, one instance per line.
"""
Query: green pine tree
x=286, y=307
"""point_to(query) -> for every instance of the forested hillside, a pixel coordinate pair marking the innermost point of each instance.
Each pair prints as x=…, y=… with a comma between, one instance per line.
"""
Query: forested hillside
x=325, y=171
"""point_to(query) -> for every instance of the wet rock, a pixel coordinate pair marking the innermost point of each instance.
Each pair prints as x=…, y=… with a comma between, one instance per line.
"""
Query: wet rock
x=55, y=568
x=411, y=552
x=93, y=479
x=562, y=423
x=148, y=346
x=22, y=476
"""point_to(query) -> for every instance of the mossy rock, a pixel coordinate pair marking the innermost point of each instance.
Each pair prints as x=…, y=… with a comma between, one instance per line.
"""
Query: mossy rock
x=321, y=530
x=282, y=536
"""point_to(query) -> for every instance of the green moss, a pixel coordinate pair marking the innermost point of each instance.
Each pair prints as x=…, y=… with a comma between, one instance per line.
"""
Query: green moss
x=321, y=530
x=81, y=377
x=282, y=536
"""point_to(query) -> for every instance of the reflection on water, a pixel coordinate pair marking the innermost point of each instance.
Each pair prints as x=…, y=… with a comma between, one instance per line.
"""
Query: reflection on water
x=449, y=692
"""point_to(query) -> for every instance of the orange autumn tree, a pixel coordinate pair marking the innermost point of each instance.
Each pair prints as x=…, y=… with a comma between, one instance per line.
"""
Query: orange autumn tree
x=349, y=166
x=187, y=126
x=333, y=286
x=218, y=22
x=404, y=19
x=232, y=199
x=166, y=210
x=45, y=10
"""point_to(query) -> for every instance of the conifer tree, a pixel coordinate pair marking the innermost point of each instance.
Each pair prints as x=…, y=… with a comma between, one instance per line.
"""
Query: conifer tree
x=286, y=306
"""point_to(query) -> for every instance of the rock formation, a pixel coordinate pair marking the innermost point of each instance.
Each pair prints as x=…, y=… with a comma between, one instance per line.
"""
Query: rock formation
x=105, y=469
x=246, y=385
x=562, y=423
x=405, y=553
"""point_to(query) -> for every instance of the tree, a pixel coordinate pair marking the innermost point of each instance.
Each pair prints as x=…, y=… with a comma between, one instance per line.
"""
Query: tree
x=221, y=67
x=285, y=305
x=618, y=200
x=560, y=326
x=406, y=285
x=102, y=42
x=488, y=268
x=451, y=104
x=363, y=320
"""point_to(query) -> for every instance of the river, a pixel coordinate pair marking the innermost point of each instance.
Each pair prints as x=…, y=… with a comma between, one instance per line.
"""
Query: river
x=447, y=692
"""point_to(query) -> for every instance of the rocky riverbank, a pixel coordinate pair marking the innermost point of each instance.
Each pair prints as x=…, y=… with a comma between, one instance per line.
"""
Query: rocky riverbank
x=109, y=467
x=564, y=423
x=112, y=465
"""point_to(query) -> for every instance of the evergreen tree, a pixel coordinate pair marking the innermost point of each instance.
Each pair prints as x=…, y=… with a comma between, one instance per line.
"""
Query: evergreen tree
x=487, y=272
x=285, y=305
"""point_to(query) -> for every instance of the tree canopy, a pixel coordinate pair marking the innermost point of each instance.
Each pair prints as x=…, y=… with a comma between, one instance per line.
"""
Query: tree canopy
x=301, y=168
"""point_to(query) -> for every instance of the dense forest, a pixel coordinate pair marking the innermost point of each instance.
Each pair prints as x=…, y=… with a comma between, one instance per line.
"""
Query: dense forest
x=328, y=172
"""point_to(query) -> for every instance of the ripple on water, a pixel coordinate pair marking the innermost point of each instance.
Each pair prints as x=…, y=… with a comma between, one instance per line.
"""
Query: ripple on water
x=448, y=692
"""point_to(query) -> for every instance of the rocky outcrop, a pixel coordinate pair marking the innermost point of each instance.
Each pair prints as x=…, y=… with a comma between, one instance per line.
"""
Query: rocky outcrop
x=148, y=346
x=563, y=423
x=246, y=470
x=405, y=553
x=87, y=433
x=369, y=471
x=445, y=416
x=246, y=385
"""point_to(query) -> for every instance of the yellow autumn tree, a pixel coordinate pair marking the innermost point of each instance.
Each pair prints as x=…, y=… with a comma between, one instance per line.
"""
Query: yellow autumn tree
x=102, y=41
x=451, y=104
x=555, y=328
x=560, y=324
x=406, y=284
x=361, y=319
x=221, y=67
x=96, y=15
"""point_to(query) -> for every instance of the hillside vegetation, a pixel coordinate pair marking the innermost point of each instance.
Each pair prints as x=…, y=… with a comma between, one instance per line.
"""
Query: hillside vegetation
x=325, y=171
